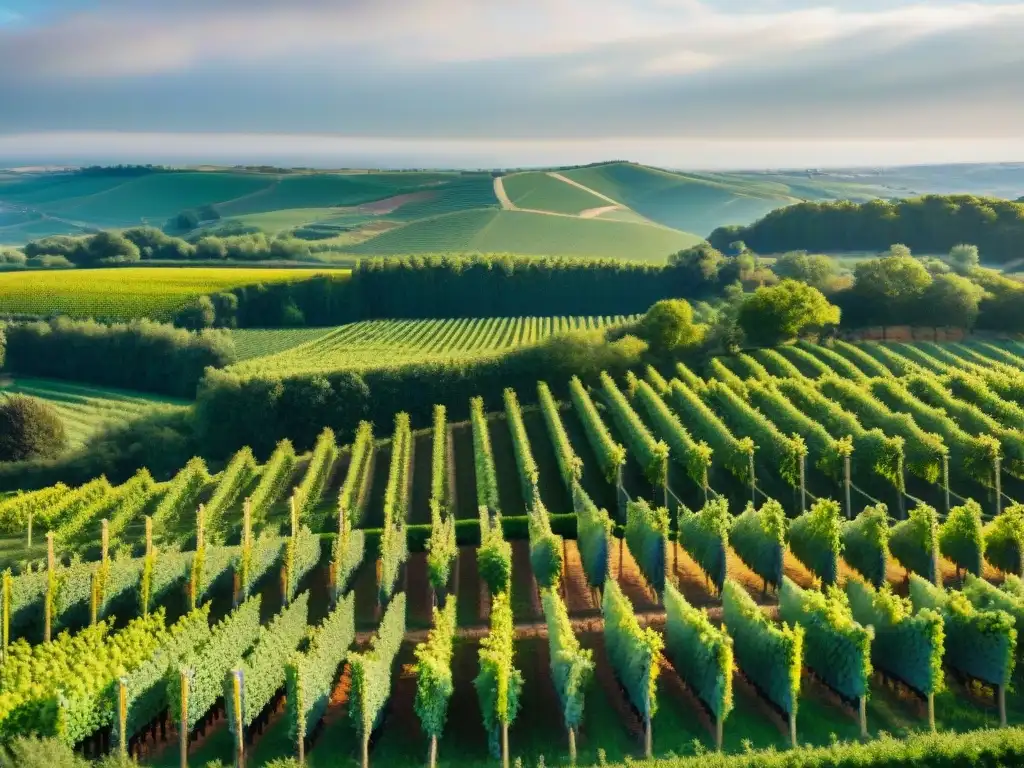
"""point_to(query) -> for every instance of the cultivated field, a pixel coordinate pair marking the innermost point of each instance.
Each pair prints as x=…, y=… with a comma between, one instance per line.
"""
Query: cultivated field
x=126, y=293
x=542, y=192
x=382, y=343
x=776, y=424
x=498, y=231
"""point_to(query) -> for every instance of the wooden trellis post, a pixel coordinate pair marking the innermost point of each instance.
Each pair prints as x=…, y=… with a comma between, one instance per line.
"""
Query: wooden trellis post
x=122, y=715
x=183, y=725
x=803, y=483
x=753, y=481
x=945, y=480
x=51, y=564
x=846, y=484
x=999, y=484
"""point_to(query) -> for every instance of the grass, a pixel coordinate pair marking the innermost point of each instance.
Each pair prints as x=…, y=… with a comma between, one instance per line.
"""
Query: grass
x=541, y=192
x=373, y=343
x=125, y=293
x=86, y=410
x=491, y=230
x=689, y=202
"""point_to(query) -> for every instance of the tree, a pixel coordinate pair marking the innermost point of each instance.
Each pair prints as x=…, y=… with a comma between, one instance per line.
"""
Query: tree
x=889, y=288
x=951, y=301
x=668, y=327
x=964, y=257
x=197, y=315
x=783, y=311
x=814, y=269
x=30, y=429
x=701, y=260
x=108, y=248
x=898, y=250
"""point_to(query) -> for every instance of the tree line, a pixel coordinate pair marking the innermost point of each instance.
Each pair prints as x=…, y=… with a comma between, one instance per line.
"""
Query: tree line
x=143, y=355
x=928, y=224
x=109, y=248
x=454, y=286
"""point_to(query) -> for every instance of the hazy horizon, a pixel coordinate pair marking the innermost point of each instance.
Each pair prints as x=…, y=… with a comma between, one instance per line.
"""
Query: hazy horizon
x=696, y=84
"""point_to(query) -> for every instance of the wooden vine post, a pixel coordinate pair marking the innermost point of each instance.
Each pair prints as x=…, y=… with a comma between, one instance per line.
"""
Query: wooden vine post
x=6, y=609
x=803, y=483
x=148, y=567
x=572, y=746
x=998, y=462
x=864, y=735
x=51, y=585
x=1001, y=700
x=122, y=716
x=846, y=486
x=753, y=479
x=237, y=721
x=792, y=730
x=931, y=712
x=719, y=735
x=945, y=479
x=183, y=725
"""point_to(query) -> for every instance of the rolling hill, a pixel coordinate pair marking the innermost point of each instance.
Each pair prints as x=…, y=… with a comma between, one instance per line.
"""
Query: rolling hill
x=491, y=230
x=610, y=209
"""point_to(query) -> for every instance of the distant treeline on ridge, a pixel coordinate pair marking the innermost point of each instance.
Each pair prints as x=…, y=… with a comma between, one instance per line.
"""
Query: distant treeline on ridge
x=929, y=224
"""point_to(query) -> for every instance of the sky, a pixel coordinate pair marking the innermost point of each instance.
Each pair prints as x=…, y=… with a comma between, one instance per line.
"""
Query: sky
x=679, y=83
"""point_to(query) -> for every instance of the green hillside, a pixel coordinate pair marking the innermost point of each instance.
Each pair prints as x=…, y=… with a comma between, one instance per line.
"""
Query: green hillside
x=85, y=410
x=541, y=192
x=491, y=230
x=688, y=202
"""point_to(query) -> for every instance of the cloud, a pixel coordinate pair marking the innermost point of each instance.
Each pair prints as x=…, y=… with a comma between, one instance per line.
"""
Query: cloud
x=520, y=69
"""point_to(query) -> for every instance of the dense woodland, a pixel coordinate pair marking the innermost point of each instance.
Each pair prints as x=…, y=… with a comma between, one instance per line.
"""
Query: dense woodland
x=929, y=224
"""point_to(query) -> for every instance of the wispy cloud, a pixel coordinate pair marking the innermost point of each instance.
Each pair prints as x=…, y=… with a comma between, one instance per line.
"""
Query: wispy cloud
x=521, y=69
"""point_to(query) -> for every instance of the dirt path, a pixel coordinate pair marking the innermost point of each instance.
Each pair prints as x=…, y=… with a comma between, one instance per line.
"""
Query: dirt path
x=576, y=184
x=502, y=195
x=593, y=213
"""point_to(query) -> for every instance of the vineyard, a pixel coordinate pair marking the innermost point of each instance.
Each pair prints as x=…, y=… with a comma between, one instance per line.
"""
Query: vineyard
x=125, y=293
x=794, y=546
x=370, y=343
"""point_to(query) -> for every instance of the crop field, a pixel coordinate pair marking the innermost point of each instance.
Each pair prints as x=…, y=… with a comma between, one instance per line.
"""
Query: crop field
x=377, y=343
x=872, y=467
x=86, y=410
x=498, y=231
x=125, y=293
x=541, y=192
x=260, y=342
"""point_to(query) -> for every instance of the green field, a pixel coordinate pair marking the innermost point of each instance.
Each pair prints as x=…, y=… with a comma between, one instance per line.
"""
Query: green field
x=530, y=233
x=259, y=342
x=690, y=202
x=126, y=293
x=378, y=343
x=539, y=191
x=85, y=410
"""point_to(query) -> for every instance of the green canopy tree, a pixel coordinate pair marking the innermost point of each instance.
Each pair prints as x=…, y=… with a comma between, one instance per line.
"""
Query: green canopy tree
x=781, y=312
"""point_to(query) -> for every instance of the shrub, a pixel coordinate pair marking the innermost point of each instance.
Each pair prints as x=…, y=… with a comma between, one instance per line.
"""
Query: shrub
x=647, y=537
x=1004, y=540
x=30, y=429
x=701, y=653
